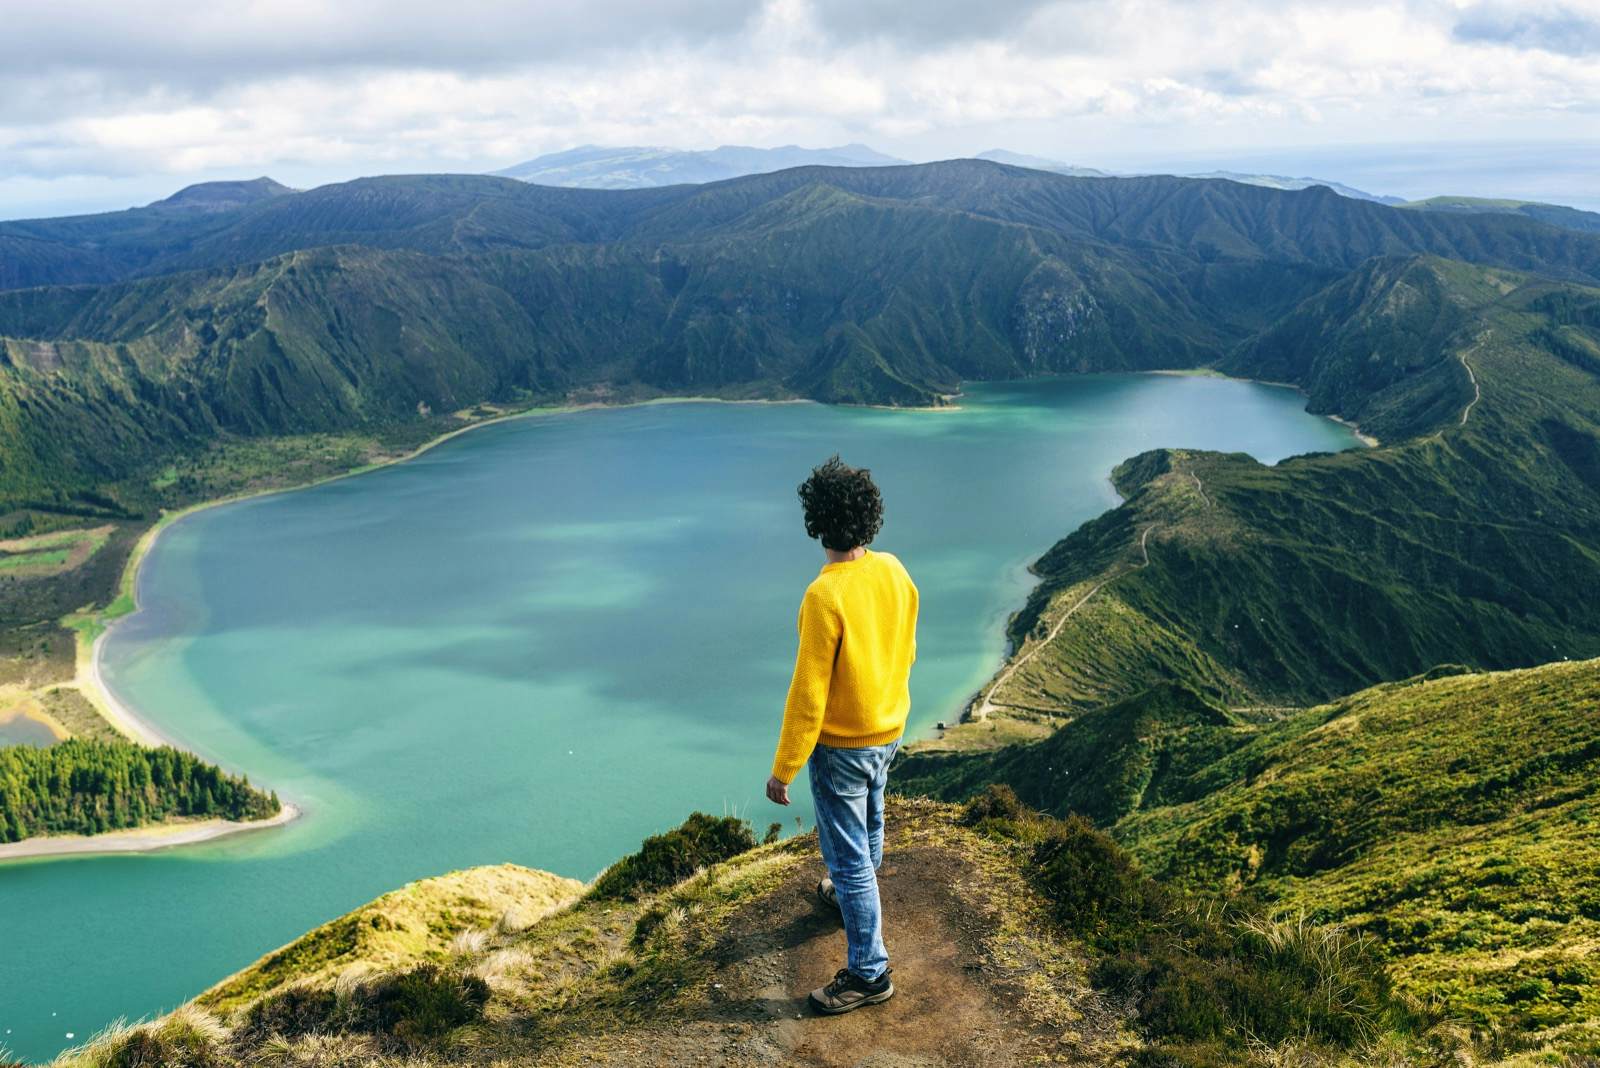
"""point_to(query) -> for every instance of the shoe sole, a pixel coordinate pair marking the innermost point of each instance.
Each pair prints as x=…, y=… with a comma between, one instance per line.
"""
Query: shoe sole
x=870, y=999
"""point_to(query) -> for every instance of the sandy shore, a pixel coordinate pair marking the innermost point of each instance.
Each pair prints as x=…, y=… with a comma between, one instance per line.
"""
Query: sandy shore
x=1366, y=439
x=140, y=839
x=116, y=713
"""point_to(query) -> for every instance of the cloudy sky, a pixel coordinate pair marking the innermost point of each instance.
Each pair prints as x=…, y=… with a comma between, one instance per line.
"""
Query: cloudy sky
x=105, y=103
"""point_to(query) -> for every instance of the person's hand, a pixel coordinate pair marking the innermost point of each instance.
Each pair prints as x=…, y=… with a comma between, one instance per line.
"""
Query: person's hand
x=777, y=791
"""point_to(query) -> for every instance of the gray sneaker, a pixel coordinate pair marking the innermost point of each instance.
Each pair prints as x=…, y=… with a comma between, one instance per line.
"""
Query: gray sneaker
x=849, y=992
x=827, y=894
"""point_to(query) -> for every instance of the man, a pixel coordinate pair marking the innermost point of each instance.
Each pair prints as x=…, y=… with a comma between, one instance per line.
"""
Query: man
x=846, y=712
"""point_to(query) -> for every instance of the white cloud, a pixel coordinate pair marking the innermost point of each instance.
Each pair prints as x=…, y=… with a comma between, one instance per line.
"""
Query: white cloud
x=178, y=90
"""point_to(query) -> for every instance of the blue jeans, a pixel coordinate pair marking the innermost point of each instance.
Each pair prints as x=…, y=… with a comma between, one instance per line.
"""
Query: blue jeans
x=847, y=789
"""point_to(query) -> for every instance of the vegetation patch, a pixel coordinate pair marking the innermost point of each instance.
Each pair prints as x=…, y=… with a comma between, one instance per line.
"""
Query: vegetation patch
x=1449, y=822
x=1206, y=982
x=412, y=925
x=669, y=858
x=83, y=786
x=186, y=1038
x=412, y=1009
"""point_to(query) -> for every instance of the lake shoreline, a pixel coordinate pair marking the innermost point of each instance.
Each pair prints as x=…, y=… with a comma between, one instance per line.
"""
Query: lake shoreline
x=145, y=839
x=89, y=678
x=140, y=728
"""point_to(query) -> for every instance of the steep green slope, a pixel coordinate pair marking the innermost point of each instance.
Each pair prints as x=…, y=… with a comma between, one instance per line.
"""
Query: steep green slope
x=1217, y=224
x=820, y=294
x=322, y=340
x=1286, y=585
x=1364, y=347
x=436, y=214
x=1456, y=819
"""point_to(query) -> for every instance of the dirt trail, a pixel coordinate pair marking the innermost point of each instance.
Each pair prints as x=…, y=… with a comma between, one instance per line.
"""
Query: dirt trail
x=987, y=704
x=1477, y=391
x=950, y=1007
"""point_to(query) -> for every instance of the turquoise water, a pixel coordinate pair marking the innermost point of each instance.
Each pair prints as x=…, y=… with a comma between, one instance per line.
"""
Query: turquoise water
x=541, y=642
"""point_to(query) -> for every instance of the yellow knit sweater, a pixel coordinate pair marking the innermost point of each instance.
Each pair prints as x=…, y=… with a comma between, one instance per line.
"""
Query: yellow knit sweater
x=858, y=639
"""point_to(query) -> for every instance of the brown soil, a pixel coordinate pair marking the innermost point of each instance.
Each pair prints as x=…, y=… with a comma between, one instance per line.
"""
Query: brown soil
x=952, y=1006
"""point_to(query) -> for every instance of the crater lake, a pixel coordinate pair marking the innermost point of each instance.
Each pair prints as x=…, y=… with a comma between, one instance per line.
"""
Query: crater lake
x=540, y=642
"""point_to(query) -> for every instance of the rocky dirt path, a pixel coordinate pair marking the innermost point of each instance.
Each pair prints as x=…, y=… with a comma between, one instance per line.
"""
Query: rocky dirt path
x=955, y=1004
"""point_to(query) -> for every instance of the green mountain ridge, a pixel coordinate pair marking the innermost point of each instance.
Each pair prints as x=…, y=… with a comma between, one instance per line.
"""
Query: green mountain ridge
x=1451, y=816
x=1460, y=542
x=863, y=285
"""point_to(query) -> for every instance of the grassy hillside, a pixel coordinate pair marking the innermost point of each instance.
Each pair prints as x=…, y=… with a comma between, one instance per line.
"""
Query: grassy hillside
x=1455, y=819
x=1018, y=939
x=417, y=923
x=821, y=293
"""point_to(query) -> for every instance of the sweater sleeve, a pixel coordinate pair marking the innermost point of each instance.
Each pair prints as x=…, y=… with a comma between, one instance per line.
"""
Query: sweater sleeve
x=820, y=629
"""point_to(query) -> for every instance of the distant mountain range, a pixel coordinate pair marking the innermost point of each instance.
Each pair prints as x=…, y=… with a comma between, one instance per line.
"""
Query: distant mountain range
x=1278, y=181
x=1269, y=181
x=1040, y=163
x=596, y=167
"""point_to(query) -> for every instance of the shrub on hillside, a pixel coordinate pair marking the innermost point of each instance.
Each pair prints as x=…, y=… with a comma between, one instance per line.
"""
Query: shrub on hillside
x=420, y=1005
x=1095, y=889
x=666, y=859
x=412, y=1008
x=997, y=803
x=297, y=1009
x=1202, y=978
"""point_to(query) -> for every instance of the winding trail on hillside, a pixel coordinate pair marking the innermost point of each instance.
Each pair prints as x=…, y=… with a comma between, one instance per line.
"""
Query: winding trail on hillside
x=988, y=704
x=1477, y=391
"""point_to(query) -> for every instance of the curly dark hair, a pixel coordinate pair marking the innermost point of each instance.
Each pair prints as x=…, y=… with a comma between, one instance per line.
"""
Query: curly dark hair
x=842, y=504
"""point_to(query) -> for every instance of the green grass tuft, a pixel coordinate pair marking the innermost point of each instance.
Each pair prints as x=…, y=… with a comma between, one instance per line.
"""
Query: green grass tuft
x=669, y=858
